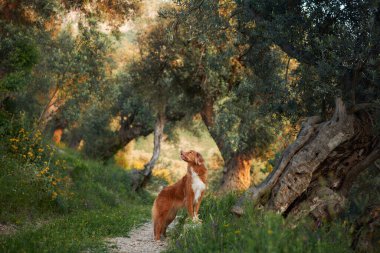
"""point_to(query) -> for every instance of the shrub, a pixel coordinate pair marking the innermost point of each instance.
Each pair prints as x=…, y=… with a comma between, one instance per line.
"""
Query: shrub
x=32, y=176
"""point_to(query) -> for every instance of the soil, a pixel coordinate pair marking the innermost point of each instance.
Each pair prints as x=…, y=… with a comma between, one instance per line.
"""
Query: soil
x=140, y=240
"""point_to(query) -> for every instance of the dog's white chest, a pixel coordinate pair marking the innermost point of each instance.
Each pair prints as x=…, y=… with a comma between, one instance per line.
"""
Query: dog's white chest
x=197, y=185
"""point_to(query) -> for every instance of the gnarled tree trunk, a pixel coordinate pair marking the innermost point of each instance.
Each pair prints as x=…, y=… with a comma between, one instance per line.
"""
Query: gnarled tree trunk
x=316, y=172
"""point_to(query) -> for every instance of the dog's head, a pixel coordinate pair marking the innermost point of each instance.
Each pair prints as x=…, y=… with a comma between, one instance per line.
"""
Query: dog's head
x=192, y=157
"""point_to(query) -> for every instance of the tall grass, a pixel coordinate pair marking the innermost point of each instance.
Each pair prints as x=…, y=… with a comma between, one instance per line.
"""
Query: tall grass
x=97, y=202
x=257, y=231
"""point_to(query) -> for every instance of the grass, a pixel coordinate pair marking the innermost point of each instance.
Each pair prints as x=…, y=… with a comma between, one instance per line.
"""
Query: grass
x=96, y=203
x=84, y=230
x=257, y=231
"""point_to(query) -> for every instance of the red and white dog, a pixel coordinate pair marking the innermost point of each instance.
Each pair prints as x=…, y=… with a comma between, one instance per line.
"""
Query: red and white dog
x=187, y=192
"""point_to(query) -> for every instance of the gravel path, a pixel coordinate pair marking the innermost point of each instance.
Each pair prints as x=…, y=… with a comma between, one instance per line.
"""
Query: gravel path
x=140, y=240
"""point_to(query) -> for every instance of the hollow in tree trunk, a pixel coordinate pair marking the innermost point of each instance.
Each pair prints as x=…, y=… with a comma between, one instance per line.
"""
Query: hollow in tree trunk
x=315, y=173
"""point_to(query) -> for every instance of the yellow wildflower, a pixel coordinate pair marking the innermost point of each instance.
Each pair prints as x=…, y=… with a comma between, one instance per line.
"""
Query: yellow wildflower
x=40, y=150
x=226, y=225
x=237, y=232
x=54, y=195
x=30, y=154
x=270, y=232
x=46, y=169
x=22, y=130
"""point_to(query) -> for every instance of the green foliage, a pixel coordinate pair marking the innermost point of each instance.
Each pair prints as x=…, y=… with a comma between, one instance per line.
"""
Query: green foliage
x=257, y=231
x=336, y=43
x=247, y=128
x=105, y=121
x=36, y=12
x=18, y=54
x=72, y=84
x=195, y=58
x=28, y=12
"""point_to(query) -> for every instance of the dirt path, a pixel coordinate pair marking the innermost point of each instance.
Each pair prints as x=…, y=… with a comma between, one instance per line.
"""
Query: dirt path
x=140, y=240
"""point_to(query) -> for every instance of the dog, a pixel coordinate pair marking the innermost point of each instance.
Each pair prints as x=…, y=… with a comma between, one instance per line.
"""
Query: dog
x=187, y=192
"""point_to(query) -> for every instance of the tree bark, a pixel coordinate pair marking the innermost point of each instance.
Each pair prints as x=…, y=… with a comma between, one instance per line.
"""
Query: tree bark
x=237, y=175
x=314, y=174
x=142, y=177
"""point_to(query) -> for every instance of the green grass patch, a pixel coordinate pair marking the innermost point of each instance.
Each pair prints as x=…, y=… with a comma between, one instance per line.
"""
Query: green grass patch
x=96, y=202
x=257, y=231
x=96, y=185
x=91, y=185
x=84, y=230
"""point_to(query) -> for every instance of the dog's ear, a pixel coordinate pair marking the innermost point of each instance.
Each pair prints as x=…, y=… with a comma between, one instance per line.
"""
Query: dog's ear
x=199, y=159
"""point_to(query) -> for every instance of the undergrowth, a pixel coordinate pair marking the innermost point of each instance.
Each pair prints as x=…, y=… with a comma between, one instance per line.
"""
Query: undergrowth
x=256, y=231
x=57, y=201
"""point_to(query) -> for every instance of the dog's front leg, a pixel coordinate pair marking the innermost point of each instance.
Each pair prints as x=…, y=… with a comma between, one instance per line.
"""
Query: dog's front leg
x=198, y=204
x=190, y=205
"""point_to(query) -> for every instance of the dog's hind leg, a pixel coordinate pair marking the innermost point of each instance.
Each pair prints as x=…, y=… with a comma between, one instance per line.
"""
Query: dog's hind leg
x=157, y=230
x=169, y=219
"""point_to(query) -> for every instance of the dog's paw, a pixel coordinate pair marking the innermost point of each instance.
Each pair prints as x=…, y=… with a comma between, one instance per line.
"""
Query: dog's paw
x=196, y=219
